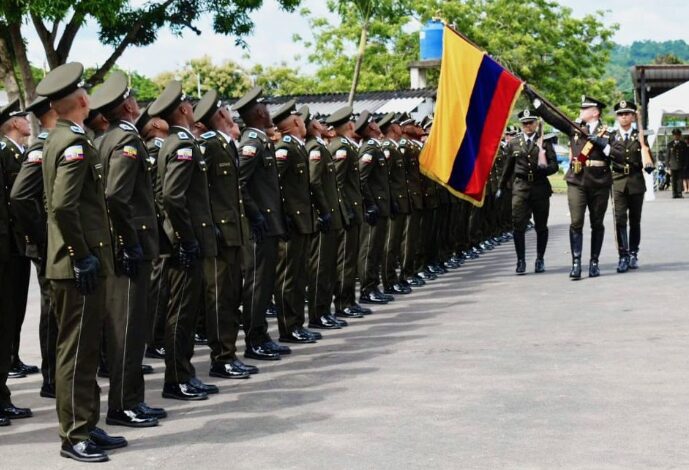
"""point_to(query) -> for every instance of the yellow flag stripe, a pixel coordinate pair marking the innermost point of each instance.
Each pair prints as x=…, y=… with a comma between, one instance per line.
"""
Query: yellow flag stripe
x=452, y=104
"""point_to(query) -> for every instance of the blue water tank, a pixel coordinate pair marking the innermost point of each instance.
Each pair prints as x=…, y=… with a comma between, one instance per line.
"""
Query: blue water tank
x=431, y=40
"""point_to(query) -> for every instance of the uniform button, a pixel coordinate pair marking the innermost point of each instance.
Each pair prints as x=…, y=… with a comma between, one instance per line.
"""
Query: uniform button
x=224, y=172
x=222, y=221
x=203, y=224
x=356, y=203
x=240, y=201
x=298, y=213
x=100, y=243
x=143, y=227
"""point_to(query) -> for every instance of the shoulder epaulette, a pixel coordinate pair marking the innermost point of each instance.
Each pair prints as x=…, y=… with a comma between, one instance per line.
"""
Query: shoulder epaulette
x=287, y=139
x=386, y=143
x=126, y=127
x=183, y=135
x=344, y=140
x=158, y=142
x=208, y=135
x=403, y=141
x=77, y=129
x=43, y=135
x=371, y=142
x=253, y=135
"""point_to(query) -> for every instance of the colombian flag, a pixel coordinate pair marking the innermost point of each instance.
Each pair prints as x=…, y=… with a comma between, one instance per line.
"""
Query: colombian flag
x=475, y=99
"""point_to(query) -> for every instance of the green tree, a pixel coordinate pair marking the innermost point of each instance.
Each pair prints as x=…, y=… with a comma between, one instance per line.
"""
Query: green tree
x=228, y=78
x=122, y=24
x=368, y=50
x=667, y=59
x=282, y=80
x=540, y=41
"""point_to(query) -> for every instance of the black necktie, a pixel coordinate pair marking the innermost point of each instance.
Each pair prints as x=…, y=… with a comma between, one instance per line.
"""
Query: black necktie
x=626, y=138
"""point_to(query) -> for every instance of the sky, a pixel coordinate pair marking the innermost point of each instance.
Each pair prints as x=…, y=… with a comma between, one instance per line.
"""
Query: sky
x=271, y=43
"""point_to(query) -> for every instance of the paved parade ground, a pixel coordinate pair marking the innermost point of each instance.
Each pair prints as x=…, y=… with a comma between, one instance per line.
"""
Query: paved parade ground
x=478, y=370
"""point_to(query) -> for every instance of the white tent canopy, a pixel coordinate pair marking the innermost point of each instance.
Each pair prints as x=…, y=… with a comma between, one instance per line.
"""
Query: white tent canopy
x=674, y=102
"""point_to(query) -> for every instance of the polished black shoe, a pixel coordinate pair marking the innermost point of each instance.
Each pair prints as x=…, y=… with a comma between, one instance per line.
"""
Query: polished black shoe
x=575, y=272
x=48, y=390
x=426, y=275
x=4, y=420
x=261, y=353
x=623, y=264
x=314, y=334
x=200, y=339
x=633, y=261
x=183, y=391
x=594, y=270
x=338, y=321
x=416, y=281
x=202, y=387
x=130, y=418
x=84, y=451
x=349, y=313
x=372, y=297
x=398, y=289
x=361, y=309
x=247, y=367
x=521, y=266
x=146, y=369
x=155, y=353
x=16, y=374
x=105, y=441
x=13, y=412
x=449, y=264
x=228, y=371
x=388, y=297
x=272, y=310
x=297, y=336
x=540, y=265
x=324, y=323
x=278, y=348
x=144, y=409
x=28, y=369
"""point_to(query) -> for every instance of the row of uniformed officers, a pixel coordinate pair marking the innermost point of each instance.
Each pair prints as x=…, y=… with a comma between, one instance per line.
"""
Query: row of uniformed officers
x=153, y=219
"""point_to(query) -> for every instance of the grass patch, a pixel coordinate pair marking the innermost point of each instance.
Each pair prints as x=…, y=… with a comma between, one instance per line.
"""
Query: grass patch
x=557, y=181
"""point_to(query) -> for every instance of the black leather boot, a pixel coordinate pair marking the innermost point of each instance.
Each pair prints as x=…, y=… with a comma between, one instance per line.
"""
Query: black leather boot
x=576, y=239
x=623, y=249
x=596, y=245
x=541, y=244
x=520, y=248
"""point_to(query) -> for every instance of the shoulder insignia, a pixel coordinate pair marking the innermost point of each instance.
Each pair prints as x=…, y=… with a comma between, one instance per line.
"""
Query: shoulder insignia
x=203, y=149
x=403, y=141
x=249, y=150
x=185, y=154
x=371, y=142
x=74, y=153
x=76, y=129
x=3, y=145
x=387, y=153
x=386, y=143
x=281, y=154
x=344, y=140
x=208, y=135
x=126, y=127
x=35, y=156
x=129, y=151
x=341, y=154
x=43, y=135
x=366, y=158
x=315, y=155
x=183, y=135
x=287, y=139
x=253, y=135
x=158, y=142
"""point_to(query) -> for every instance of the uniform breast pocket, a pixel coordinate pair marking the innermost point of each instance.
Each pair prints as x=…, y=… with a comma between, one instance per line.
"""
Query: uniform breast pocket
x=224, y=169
x=97, y=172
x=301, y=168
x=268, y=162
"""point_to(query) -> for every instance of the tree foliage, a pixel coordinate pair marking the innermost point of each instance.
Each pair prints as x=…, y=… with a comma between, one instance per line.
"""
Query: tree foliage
x=228, y=78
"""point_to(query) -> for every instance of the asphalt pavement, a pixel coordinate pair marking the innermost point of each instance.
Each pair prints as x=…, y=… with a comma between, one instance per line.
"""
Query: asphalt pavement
x=480, y=369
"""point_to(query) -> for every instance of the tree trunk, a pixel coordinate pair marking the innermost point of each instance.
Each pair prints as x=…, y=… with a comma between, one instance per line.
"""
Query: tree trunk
x=359, y=60
x=22, y=59
x=7, y=70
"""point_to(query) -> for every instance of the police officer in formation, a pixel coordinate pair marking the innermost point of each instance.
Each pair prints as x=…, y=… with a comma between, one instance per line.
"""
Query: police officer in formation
x=678, y=157
x=628, y=184
x=529, y=162
x=174, y=217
